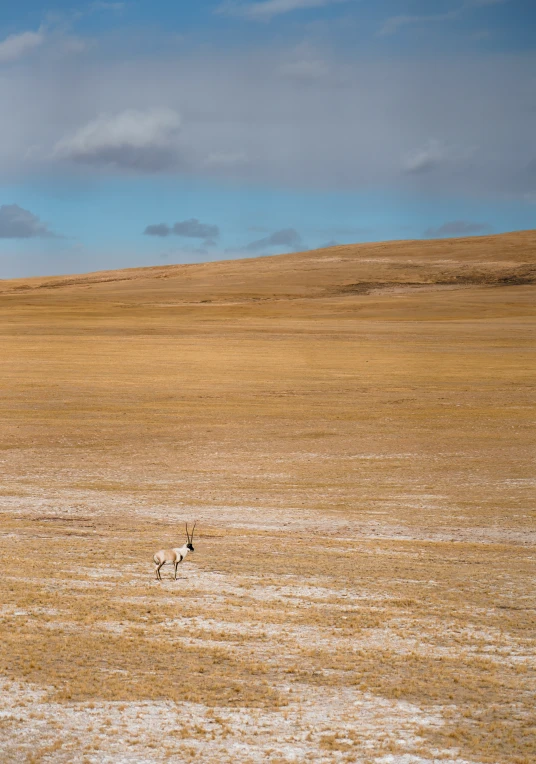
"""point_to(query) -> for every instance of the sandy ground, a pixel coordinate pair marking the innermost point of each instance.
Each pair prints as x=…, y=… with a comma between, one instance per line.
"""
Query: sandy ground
x=353, y=429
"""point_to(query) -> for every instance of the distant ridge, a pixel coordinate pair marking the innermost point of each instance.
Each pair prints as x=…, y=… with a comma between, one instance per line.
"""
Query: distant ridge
x=497, y=260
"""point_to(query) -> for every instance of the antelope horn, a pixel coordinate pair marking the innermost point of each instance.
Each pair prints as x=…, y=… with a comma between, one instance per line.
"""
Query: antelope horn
x=187, y=534
x=192, y=536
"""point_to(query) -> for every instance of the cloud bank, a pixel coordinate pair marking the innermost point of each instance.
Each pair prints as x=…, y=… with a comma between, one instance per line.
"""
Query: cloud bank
x=448, y=124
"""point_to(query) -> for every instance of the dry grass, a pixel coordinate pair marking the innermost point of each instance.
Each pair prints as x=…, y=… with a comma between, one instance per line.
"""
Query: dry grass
x=359, y=452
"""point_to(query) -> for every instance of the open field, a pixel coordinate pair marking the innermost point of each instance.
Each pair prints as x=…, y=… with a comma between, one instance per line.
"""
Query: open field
x=353, y=428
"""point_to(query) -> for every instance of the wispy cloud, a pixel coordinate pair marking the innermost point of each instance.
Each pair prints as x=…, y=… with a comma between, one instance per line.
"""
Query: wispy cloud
x=457, y=228
x=425, y=158
x=267, y=9
x=189, y=229
x=305, y=64
x=435, y=154
x=158, y=229
x=394, y=23
x=18, y=223
x=193, y=229
x=18, y=45
x=287, y=238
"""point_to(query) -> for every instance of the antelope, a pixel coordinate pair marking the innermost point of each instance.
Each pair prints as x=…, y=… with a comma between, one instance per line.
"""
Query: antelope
x=175, y=556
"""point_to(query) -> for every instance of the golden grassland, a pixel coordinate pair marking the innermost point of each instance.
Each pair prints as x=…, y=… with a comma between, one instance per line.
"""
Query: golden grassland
x=354, y=430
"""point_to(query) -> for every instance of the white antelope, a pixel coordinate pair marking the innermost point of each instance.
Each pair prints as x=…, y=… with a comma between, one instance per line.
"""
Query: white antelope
x=175, y=556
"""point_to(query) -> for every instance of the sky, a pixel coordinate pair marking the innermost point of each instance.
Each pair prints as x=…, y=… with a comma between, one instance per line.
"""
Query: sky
x=150, y=132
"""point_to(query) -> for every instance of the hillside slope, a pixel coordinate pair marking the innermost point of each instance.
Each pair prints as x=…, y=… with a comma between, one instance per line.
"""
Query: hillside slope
x=505, y=259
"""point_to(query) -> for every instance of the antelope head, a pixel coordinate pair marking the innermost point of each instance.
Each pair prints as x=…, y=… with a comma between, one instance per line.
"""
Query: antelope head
x=190, y=537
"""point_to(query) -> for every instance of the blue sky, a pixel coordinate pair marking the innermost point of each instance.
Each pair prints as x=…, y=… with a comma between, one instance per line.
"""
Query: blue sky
x=137, y=133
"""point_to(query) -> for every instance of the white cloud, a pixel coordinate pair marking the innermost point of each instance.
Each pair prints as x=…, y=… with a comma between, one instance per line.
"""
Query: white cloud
x=17, y=45
x=394, y=23
x=434, y=155
x=426, y=158
x=137, y=140
x=267, y=9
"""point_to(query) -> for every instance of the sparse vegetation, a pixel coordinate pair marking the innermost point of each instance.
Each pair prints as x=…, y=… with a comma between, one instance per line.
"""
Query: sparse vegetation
x=360, y=462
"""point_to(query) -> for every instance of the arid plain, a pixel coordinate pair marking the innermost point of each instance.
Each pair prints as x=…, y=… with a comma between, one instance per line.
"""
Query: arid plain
x=353, y=429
